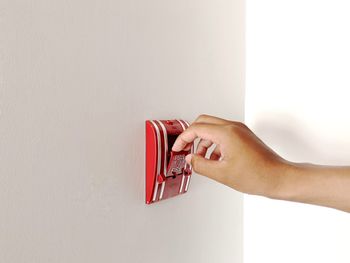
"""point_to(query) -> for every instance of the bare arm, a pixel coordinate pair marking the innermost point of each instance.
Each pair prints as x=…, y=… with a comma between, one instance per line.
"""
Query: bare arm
x=315, y=184
x=243, y=162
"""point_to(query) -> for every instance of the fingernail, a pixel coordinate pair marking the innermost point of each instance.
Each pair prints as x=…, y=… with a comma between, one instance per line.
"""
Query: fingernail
x=174, y=148
x=189, y=158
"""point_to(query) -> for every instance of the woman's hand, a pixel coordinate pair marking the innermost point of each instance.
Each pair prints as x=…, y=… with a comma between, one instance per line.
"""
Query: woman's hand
x=239, y=160
x=243, y=162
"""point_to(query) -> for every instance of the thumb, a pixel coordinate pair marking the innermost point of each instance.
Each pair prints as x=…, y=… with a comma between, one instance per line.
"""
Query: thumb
x=202, y=165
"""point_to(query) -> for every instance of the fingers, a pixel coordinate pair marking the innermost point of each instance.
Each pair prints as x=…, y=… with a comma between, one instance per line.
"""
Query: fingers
x=216, y=154
x=203, y=146
x=211, y=132
x=204, y=166
x=203, y=127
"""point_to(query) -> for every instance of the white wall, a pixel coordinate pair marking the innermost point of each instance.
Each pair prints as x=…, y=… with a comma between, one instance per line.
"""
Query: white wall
x=77, y=81
x=298, y=89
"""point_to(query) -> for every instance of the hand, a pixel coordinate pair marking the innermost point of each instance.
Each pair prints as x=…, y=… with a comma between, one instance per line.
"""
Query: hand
x=239, y=160
x=242, y=161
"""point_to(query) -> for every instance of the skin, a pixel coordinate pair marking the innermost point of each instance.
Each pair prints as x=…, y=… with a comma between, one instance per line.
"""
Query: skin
x=243, y=162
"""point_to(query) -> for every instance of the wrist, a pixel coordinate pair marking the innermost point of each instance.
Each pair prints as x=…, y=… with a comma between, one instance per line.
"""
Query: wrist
x=288, y=176
x=312, y=184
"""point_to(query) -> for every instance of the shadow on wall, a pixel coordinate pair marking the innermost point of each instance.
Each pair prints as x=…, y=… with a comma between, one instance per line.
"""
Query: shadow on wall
x=290, y=137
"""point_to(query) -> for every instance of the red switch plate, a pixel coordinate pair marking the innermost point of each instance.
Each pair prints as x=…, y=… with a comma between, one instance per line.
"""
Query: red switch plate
x=167, y=173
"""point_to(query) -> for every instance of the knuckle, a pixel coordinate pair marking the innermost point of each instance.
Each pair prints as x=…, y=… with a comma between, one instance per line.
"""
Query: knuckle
x=236, y=127
x=202, y=117
x=241, y=125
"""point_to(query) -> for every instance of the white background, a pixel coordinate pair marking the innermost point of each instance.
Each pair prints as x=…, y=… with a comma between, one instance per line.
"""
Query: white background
x=298, y=101
x=78, y=79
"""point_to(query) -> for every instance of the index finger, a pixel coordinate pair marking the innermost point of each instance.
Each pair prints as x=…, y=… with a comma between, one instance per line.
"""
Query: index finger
x=206, y=131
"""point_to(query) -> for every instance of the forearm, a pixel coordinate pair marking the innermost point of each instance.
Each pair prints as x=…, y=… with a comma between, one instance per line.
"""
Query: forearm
x=314, y=184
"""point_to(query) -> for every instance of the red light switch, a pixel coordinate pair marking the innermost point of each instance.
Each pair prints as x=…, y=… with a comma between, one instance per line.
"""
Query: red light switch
x=167, y=173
